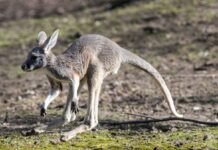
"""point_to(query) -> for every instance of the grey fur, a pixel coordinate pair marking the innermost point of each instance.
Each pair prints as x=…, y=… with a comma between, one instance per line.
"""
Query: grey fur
x=91, y=57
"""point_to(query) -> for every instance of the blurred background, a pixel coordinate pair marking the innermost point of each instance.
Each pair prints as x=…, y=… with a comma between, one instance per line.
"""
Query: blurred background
x=178, y=37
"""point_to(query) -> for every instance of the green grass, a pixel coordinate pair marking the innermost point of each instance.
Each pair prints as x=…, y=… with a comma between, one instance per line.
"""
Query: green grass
x=118, y=139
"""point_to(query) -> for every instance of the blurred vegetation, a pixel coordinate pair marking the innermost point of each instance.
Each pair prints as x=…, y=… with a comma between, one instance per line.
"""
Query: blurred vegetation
x=165, y=27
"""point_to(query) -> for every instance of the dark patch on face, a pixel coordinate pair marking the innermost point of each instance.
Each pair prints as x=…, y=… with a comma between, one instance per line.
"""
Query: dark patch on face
x=35, y=60
x=38, y=50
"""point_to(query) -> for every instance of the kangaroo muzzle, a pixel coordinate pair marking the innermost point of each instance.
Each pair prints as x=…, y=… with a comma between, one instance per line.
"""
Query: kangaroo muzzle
x=30, y=65
x=26, y=67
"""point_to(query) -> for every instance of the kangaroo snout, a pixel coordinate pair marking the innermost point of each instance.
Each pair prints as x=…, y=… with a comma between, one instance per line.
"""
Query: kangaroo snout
x=25, y=67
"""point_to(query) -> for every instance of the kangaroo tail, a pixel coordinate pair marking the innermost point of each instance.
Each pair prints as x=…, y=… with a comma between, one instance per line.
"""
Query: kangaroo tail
x=128, y=57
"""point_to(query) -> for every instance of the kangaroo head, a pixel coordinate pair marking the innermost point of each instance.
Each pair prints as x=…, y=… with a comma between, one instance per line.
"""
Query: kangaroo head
x=38, y=56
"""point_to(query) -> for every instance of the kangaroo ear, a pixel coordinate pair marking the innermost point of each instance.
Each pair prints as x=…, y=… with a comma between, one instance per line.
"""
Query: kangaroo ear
x=51, y=42
x=41, y=38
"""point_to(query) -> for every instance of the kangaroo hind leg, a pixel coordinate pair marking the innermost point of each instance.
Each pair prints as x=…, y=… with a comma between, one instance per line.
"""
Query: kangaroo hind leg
x=94, y=79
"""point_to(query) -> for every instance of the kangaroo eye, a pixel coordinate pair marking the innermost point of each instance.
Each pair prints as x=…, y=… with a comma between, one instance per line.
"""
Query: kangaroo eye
x=33, y=57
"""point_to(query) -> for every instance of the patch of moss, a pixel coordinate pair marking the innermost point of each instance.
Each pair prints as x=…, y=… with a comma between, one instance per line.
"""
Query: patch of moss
x=118, y=139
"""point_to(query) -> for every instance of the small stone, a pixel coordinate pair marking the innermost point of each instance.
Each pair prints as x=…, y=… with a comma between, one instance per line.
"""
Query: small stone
x=94, y=129
x=206, y=137
x=5, y=101
x=156, y=148
x=55, y=141
x=36, y=142
x=28, y=132
x=19, y=98
x=174, y=129
x=196, y=108
x=154, y=129
x=30, y=92
x=178, y=143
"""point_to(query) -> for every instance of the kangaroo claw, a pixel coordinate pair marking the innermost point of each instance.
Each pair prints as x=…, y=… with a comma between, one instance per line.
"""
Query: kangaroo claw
x=74, y=107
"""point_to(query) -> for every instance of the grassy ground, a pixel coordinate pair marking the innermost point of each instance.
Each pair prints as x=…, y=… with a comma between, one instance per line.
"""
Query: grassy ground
x=178, y=37
x=201, y=138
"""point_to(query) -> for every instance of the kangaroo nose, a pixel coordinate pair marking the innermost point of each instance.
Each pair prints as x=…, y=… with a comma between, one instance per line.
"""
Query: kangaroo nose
x=24, y=67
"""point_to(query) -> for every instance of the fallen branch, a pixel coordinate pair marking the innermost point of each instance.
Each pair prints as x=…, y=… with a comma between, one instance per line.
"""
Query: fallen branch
x=160, y=120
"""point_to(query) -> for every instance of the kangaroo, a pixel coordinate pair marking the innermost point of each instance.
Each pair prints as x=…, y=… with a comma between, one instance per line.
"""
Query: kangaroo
x=88, y=60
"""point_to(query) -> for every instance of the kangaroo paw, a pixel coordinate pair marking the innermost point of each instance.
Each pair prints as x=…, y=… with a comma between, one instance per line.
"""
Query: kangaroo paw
x=74, y=107
x=43, y=112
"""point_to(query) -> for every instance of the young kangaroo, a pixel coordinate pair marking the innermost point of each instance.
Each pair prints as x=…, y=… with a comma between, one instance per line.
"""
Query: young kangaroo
x=89, y=59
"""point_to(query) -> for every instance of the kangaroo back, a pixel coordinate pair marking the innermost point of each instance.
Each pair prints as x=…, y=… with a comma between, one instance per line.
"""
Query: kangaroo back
x=128, y=57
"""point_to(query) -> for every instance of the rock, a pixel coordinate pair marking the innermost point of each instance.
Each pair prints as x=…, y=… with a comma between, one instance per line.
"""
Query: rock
x=94, y=129
x=206, y=137
x=174, y=129
x=178, y=143
x=29, y=132
x=156, y=148
x=36, y=142
x=19, y=98
x=55, y=141
x=196, y=108
x=154, y=129
x=30, y=92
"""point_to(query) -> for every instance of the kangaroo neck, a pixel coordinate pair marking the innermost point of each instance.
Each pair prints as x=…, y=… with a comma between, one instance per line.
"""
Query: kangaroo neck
x=51, y=60
x=65, y=64
x=54, y=68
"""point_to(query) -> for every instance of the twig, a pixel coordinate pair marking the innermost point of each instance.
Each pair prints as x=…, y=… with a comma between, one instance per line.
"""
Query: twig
x=161, y=120
x=138, y=115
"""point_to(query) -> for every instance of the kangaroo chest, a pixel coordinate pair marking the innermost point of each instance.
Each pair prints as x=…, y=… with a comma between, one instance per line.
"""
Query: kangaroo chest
x=57, y=75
